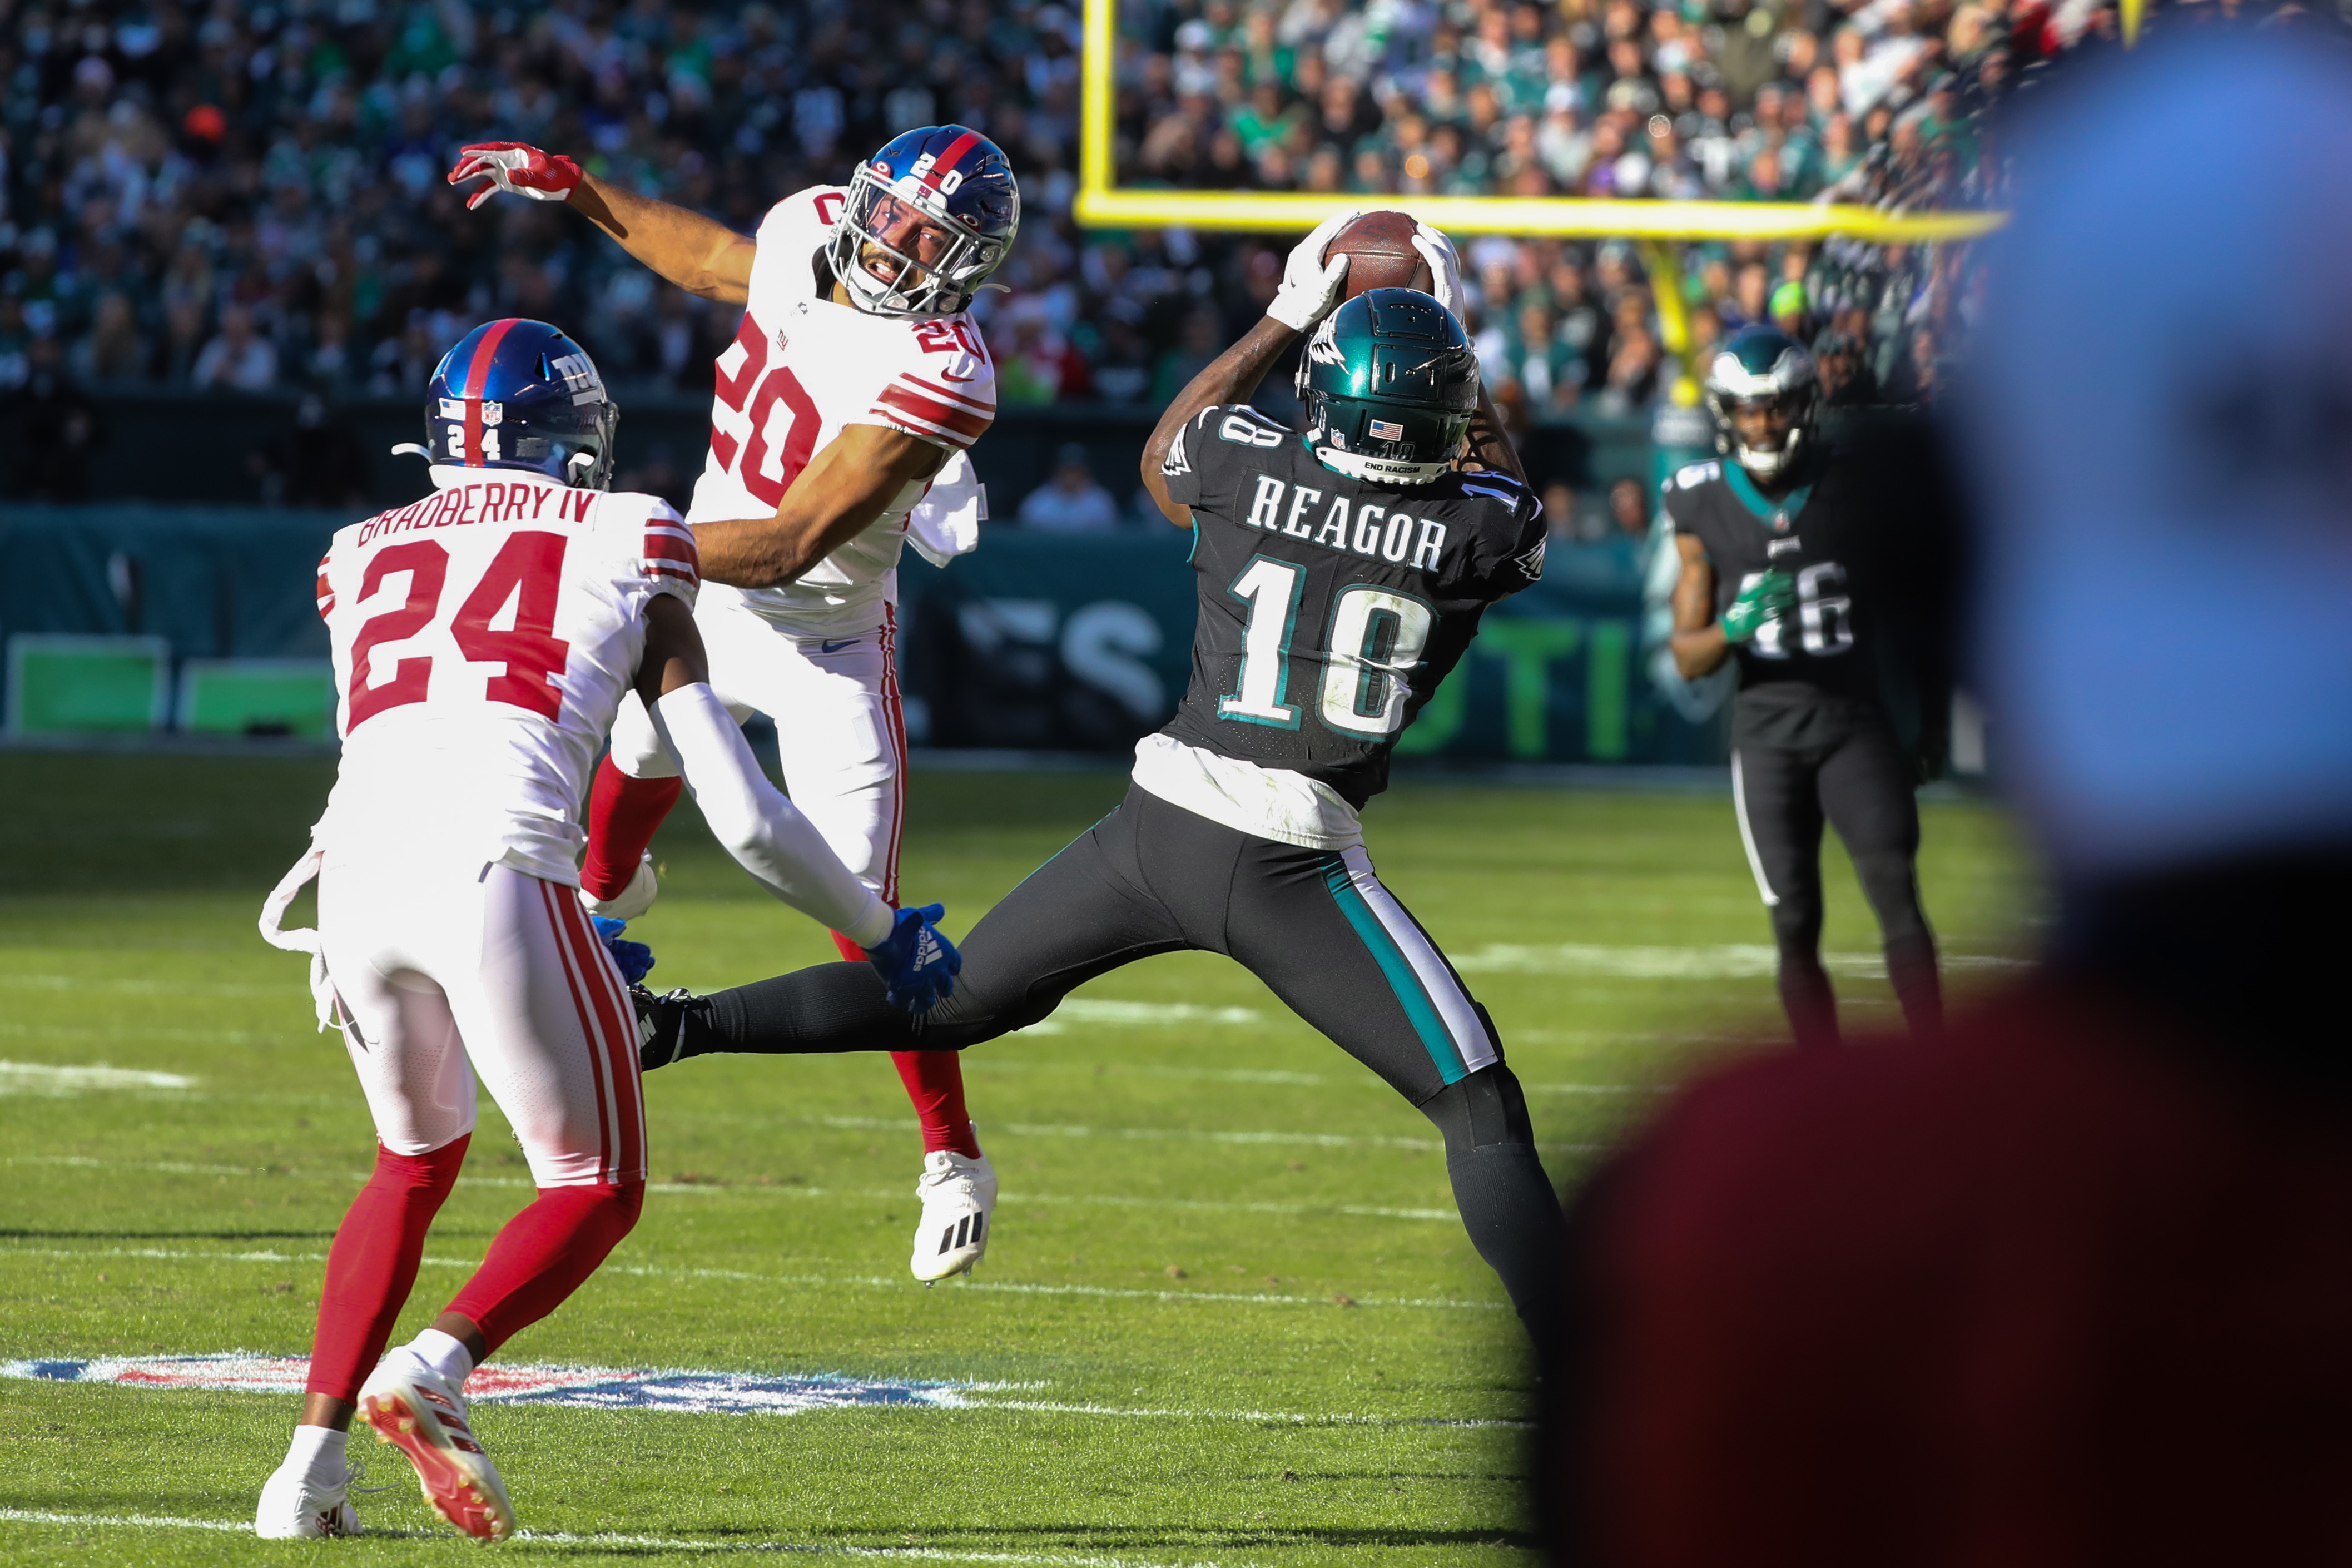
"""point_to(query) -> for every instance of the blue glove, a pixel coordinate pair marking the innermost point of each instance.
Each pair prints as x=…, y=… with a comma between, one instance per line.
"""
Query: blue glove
x=918, y=963
x=634, y=960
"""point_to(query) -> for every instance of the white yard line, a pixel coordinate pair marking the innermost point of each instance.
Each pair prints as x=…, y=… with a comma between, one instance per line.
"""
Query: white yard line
x=49, y=1078
x=868, y=1281
x=1725, y=960
x=601, y=1539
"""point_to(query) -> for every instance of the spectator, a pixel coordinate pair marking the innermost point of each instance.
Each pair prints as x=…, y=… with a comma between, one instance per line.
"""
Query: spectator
x=239, y=357
x=1072, y=502
x=53, y=427
x=112, y=352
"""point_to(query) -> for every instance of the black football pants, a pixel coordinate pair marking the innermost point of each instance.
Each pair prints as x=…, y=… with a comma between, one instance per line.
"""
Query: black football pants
x=1859, y=782
x=1316, y=925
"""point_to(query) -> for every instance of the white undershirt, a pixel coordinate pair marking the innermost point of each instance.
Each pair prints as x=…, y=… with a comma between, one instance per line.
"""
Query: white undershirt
x=1269, y=803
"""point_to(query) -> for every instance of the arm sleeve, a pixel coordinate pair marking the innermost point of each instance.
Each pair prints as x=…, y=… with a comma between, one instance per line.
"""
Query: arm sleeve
x=767, y=835
x=944, y=394
x=670, y=563
x=1184, y=469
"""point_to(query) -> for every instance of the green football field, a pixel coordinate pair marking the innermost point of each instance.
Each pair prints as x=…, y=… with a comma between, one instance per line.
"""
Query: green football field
x=1227, y=1315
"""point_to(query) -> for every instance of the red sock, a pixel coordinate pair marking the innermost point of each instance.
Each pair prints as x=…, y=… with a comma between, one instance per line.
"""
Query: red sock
x=543, y=1254
x=623, y=815
x=373, y=1264
x=934, y=1081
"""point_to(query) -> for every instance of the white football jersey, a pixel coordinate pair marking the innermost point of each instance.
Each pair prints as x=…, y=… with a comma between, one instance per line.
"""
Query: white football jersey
x=483, y=638
x=800, y=369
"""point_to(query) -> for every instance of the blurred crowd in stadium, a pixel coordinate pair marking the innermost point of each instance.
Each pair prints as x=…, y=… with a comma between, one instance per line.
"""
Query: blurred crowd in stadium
x=249, y=194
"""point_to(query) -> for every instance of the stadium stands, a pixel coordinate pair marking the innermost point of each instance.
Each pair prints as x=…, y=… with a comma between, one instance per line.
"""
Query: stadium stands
x=249, y=194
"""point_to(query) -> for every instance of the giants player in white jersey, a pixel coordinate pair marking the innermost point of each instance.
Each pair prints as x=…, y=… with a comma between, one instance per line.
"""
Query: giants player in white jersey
x=484, y=637
x=846, y=402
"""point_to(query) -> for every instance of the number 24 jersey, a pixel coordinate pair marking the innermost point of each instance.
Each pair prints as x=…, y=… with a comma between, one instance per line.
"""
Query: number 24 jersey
x=1330, y=607
x=483, y=638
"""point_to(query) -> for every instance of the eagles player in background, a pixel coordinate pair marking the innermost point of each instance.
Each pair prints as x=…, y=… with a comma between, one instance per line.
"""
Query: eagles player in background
x=1341, y=573
x=1801, y=560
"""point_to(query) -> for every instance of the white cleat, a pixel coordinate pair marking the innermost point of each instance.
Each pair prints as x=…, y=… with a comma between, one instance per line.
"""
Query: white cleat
x=294, y=1507
x=415, y=1410
x=957, y=1195
x=630, y=901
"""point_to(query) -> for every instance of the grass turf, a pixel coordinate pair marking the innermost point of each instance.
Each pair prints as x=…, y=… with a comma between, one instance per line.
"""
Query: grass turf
x=1273, y=1348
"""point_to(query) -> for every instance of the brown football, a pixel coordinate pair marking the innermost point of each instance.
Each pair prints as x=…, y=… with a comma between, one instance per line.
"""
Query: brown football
x=1378, y=249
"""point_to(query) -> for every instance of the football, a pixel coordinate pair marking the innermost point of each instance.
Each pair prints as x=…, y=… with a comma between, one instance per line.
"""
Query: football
x=1378, y=249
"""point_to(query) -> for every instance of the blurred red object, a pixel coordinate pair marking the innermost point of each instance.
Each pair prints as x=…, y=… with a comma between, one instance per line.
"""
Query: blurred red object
x=206, y=123
x=2064, y=1289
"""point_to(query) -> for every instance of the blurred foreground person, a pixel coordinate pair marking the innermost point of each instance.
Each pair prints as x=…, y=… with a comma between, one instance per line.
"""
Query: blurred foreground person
x=2073, y=1285
x=483, y=638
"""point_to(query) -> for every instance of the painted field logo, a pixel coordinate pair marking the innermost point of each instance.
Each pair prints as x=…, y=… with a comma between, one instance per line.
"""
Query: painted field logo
x=580, y=1387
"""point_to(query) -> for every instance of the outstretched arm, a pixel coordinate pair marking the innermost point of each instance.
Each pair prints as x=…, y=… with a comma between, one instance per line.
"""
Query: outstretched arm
x=697, y=254
x=837, y=497
x=1232, y=377
x=764, y=832
x=1310, y=290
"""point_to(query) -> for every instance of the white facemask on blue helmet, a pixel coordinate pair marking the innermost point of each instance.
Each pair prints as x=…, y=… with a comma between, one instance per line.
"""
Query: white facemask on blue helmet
x=928, y=218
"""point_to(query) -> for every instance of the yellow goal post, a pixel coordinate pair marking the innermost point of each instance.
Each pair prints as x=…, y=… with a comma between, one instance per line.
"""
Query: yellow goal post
x=1101, y=203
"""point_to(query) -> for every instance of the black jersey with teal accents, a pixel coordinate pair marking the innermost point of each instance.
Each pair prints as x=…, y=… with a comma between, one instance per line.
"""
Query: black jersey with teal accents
x=1818, y=531
x=1331, y=608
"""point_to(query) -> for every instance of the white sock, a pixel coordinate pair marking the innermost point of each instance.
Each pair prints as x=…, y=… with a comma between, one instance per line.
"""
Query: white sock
x=445, y=1353
x=317, y=1452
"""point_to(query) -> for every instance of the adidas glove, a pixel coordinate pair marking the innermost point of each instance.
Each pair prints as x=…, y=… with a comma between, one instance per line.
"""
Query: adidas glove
x=1769, y=597
x=1311, y=285
x=917, y=964
x=511, y=166
x=634, y=960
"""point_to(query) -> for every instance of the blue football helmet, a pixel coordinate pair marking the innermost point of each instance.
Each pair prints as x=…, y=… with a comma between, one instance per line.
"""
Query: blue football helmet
x=523, y=394
x=928, y=218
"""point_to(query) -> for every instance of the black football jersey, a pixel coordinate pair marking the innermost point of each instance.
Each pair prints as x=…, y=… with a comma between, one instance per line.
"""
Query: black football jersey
x=1330, y=608
x=1820, y=532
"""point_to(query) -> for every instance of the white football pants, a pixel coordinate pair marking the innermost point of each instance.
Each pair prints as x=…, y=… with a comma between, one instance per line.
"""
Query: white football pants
x=841, y=732
x=443, y=973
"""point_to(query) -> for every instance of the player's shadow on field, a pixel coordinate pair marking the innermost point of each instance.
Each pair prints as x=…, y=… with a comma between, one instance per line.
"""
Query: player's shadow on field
x=166, y=1236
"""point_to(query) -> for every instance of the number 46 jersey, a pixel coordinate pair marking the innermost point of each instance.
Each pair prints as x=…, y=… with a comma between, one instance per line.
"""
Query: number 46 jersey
x=483, y=638
x=1331, y=608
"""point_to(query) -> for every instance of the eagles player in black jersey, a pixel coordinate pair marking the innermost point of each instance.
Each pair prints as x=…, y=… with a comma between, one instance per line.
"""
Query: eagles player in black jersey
x=1341, y=574
x=1794, y=558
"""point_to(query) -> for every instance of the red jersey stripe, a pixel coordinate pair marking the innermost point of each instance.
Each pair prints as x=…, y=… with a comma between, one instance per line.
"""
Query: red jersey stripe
x=961, y=399
x=964, y=422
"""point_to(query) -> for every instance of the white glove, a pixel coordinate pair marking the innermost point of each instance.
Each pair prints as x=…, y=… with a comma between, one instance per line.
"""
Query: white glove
x=1311, y=285
x=1445, y=266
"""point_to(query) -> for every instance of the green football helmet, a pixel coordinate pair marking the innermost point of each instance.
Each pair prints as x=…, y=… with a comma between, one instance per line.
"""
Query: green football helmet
x=1389, y=382
x=1762, y=365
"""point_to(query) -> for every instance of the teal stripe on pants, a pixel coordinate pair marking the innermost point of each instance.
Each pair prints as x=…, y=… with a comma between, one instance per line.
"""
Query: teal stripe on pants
x=1418, y=1008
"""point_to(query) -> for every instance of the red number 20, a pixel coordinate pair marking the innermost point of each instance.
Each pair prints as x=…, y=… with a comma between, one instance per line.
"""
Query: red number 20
x=527, y=570
x=780, y=385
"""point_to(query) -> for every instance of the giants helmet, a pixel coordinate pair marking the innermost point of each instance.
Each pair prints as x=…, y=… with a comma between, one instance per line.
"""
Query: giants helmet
x=928, y=218
x=522, y=395
x=1390, y=382
x=1762, y=365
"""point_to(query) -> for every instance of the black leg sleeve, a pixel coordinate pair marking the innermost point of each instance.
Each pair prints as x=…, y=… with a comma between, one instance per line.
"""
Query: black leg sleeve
x=1074, y=917
x=1772, y=790
x=1866, y=788
x=1506, y=1201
